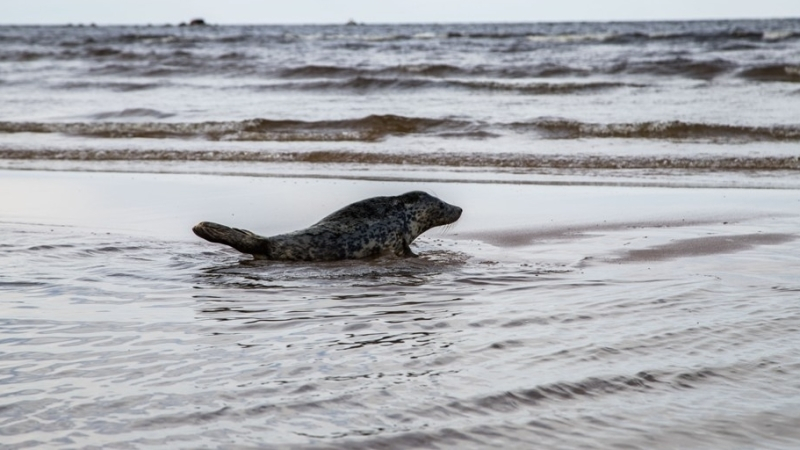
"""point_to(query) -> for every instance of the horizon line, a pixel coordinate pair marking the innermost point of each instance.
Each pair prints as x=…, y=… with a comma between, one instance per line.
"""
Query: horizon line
x=358, y=23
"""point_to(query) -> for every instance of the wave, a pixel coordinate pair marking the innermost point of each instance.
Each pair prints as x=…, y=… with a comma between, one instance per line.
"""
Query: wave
x=450, y=160
x=117, y=86
x=542, y=88
x=667, y=67
x=376, y=127
x=677, y=66
x=145, y=63
x=688, y=68
x=735, y=34
x=685, y=67
x=131, y=112
x=609, y=35
x=669, y=130
x=129, y=38
x=238, y=64
x=434, y=71
x=24, y=55
x=327, y=71
x=774, y=72
x=94, y=53
x=106, y=52
x=369, y=128
x=698, y=31
x=373, y=83
x=148, y=63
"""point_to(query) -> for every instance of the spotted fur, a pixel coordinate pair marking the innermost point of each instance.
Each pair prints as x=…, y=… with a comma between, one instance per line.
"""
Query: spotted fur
x=371, y=227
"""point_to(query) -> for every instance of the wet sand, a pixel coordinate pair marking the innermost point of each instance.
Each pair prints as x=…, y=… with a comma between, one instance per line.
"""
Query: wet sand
x=561, y=316
x=504, y=215
x=520, y=221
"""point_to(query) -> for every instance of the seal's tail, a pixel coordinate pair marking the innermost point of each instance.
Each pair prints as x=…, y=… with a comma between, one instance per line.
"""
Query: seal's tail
x=242, y=240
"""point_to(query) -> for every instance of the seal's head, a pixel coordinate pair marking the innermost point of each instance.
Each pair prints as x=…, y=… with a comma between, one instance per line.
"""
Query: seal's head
x=426, y=211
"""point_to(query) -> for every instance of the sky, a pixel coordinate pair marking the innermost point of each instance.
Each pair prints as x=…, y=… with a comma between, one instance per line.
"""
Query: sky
x=104, y=12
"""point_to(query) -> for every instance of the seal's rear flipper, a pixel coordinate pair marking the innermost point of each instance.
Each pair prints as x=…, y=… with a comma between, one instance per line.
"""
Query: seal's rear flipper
x=242, y=240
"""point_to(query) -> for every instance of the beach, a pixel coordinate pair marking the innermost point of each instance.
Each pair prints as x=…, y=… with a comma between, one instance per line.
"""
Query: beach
x=588, y=316
x=624, y=273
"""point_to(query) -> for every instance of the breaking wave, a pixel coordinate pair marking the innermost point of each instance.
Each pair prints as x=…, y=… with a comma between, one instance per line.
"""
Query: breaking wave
x=433, y=71
x=775, y=72
x=683, y=67
x=669, y=130
x=110, y=62
x=663, y=67
x=377, y=127
x=369, y=128
x=371, y=83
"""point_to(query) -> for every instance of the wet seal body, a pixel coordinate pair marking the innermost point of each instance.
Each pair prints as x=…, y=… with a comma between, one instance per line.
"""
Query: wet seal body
x=372, y=227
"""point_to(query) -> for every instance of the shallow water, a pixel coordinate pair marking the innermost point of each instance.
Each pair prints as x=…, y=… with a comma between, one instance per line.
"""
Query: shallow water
x=670, y=326
x=624, y=274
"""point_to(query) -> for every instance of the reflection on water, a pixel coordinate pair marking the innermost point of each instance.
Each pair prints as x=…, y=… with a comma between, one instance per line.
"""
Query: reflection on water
x=112, y=340
x=377, y=272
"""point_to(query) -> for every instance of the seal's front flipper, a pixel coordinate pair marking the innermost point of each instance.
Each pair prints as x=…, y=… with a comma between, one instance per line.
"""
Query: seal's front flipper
x=242, y=240
x=402, y=249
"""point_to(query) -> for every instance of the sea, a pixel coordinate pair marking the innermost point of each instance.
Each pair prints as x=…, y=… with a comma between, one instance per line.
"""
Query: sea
x=626, y=273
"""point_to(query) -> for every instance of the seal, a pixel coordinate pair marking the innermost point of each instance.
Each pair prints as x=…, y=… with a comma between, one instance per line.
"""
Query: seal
x=369, y=228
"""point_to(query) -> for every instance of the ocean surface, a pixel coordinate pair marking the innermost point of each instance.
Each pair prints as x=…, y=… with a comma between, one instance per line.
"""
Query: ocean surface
x=626, y=273
x=532, y=98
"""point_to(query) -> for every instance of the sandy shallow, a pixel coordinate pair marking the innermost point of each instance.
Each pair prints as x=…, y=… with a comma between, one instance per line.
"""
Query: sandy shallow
x=560, y=316
x=504, y=215
x=529, y=222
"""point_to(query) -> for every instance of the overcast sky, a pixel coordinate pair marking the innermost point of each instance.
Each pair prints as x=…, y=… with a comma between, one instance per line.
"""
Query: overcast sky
x=381, y=11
